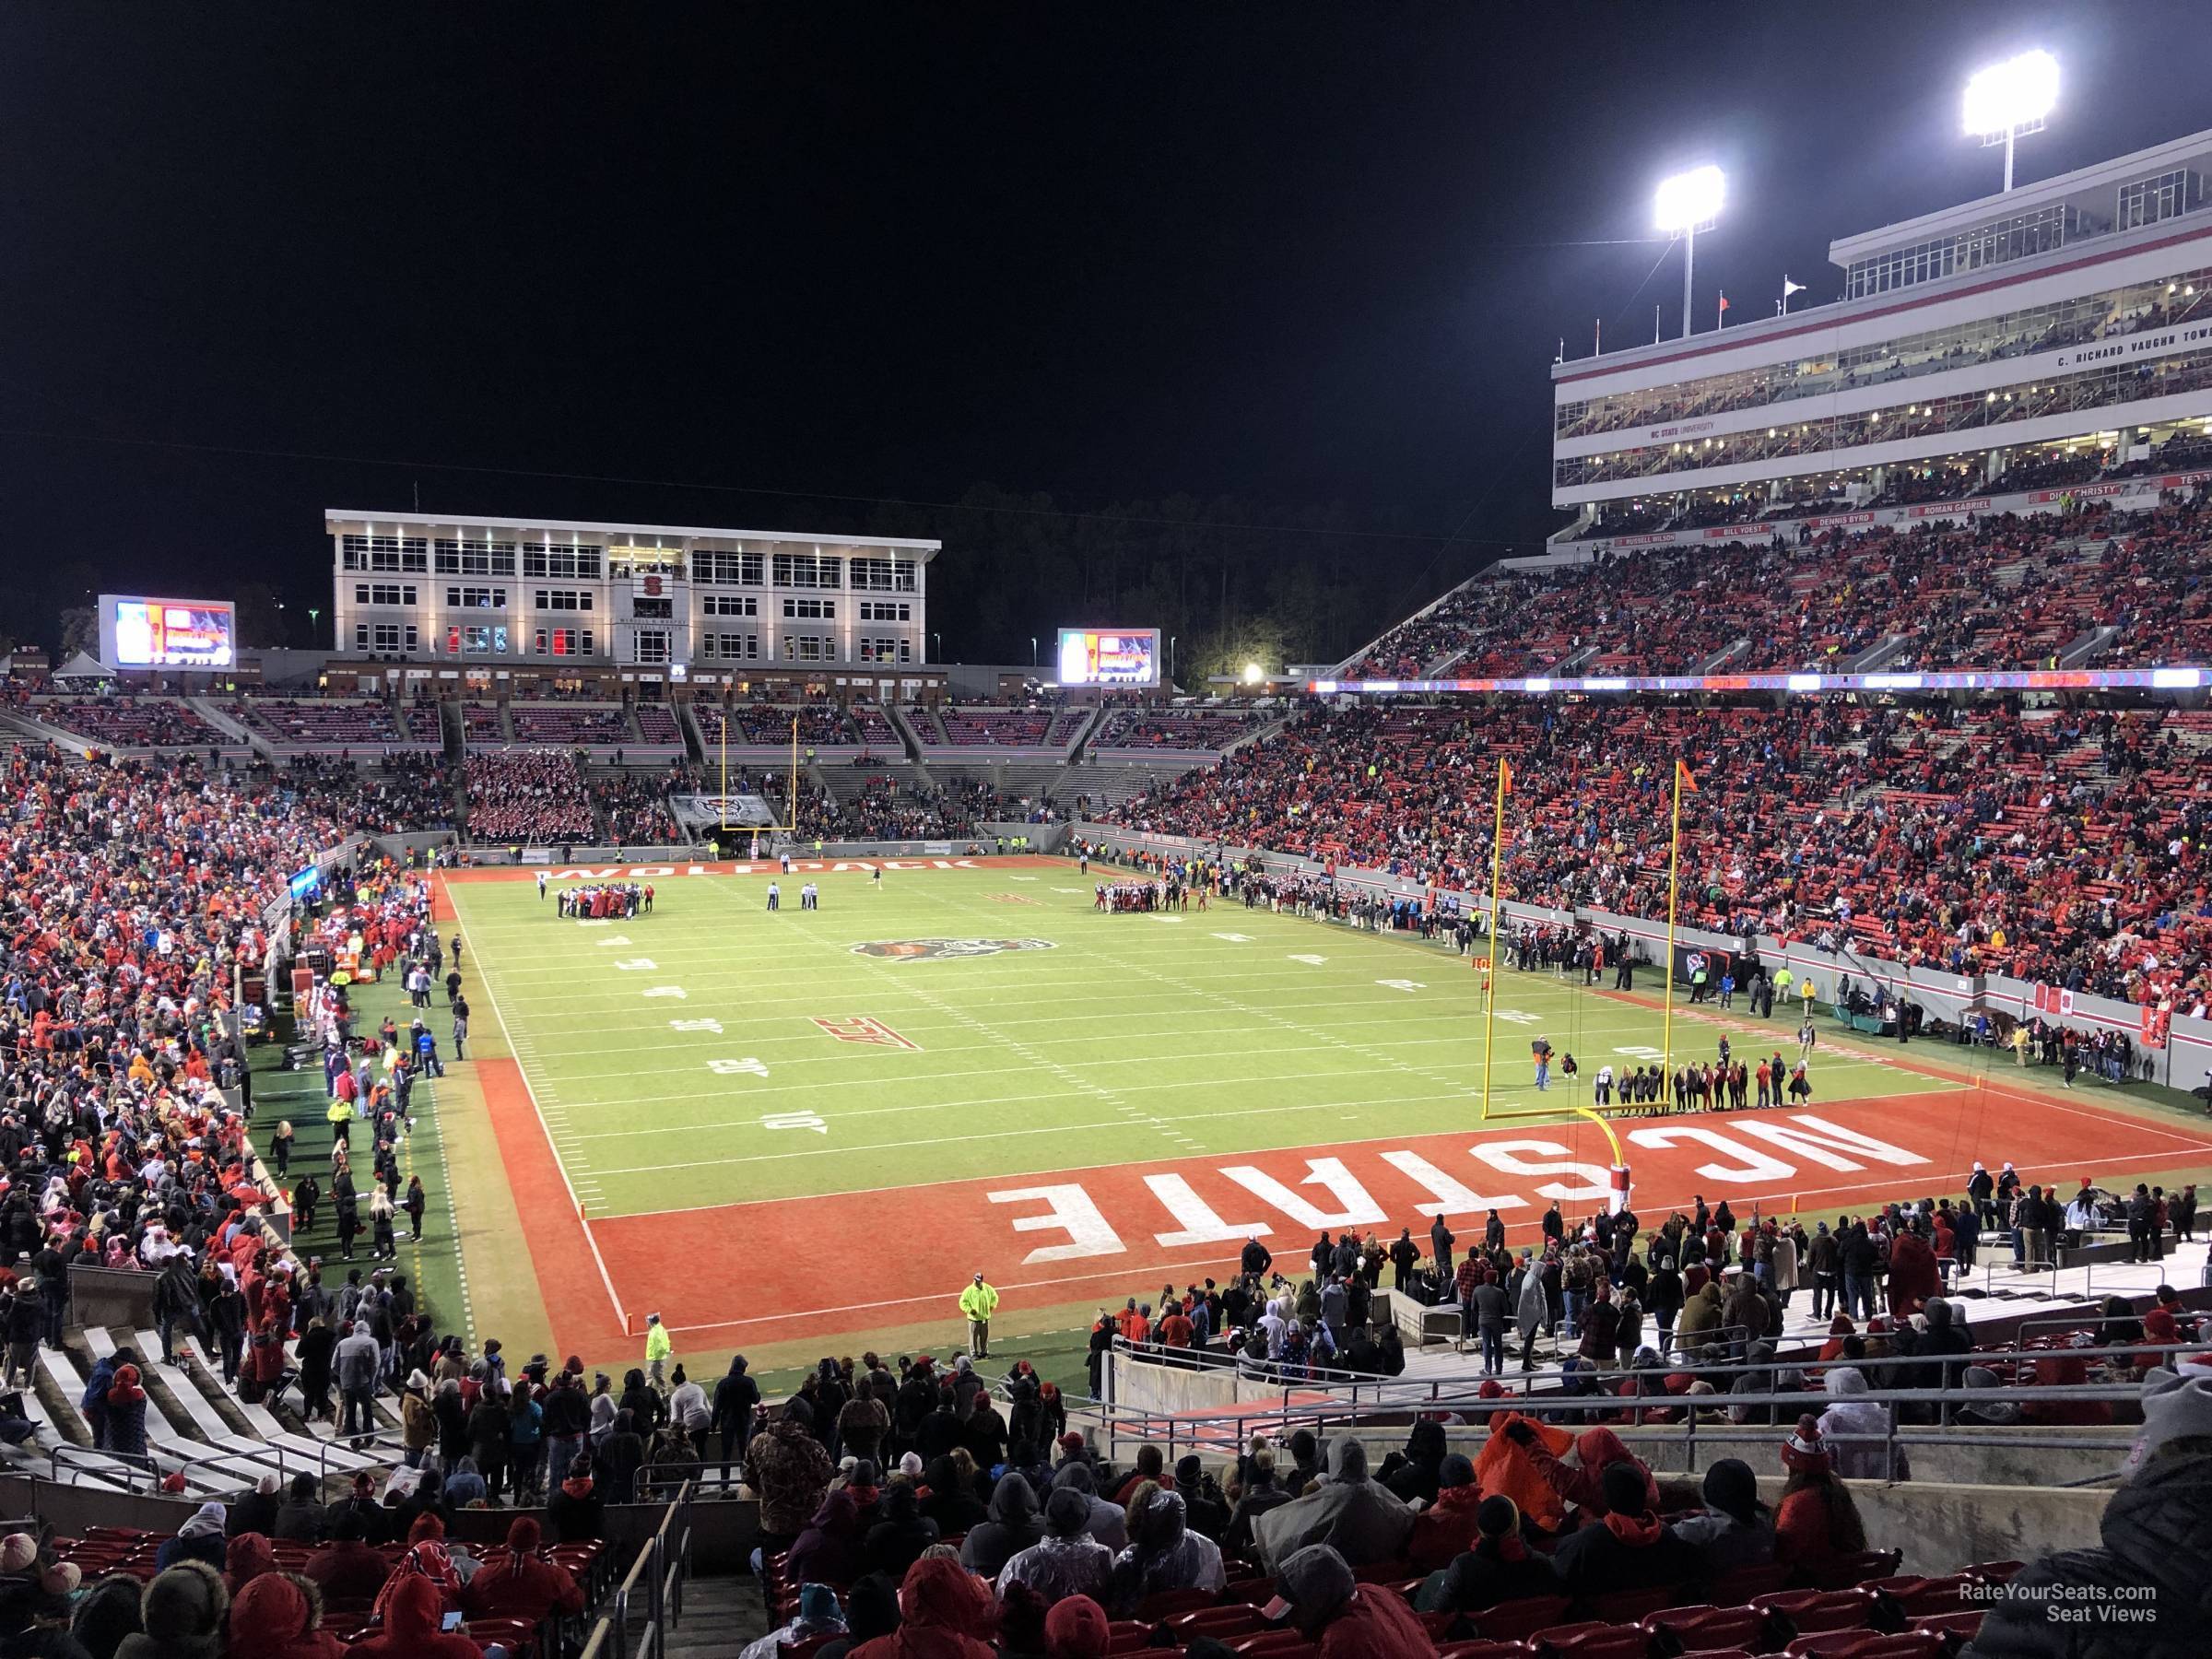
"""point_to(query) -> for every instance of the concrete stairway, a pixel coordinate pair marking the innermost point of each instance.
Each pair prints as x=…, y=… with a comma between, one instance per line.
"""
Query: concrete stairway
x=721, y=1616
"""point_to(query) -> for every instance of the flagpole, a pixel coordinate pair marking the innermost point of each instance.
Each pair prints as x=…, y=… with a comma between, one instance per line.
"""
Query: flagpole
x=1489, y=1011
x=1666, y=982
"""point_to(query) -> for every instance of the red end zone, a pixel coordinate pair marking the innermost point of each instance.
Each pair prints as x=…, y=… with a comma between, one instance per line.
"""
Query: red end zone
x=755, y=1272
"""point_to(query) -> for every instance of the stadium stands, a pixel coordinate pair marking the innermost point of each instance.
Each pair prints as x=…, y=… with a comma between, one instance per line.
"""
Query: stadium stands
x=656, y=723
x=1973, y=839
x=127, y=721
x=528, y=795
x=820, y=725
x=955, y=727
x=2006, y=592
x=316, y=723
x=572, y=726
x=1195, y=728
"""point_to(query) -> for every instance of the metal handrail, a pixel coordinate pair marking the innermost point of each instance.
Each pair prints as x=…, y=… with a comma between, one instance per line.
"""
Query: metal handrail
x=1202, y=1430
x=157, y=1463
x=660, y=1571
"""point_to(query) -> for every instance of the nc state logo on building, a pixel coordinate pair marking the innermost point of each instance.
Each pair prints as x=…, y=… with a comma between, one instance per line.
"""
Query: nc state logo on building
x=651, y=586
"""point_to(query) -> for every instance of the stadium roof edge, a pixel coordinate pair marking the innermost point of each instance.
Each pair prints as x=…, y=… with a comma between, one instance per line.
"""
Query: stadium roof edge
x=607, y=527
x=1967, y=215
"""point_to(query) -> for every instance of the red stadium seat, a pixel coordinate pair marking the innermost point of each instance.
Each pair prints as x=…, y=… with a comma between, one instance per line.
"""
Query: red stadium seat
x=1743, y=1584
x=1220, y=1623
x=1513, y=1620
x=1993, y=1572
x=1711, y=1627
x=1128, y=1636
x=1632, y=1607
x=1847, y=1570
x=1592, y=1640
x=1962, y=1625
x=1871, y=1644
x=1812, y=1611
x=1917, y=1598
x=1276, y=1644
x=1166, y=1604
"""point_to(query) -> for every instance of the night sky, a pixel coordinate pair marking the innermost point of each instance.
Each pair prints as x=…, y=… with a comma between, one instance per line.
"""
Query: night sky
x=1299, y=256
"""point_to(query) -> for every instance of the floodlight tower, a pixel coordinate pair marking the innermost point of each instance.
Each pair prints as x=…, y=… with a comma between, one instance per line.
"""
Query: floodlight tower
x=1686, y=204
x=2011, y=100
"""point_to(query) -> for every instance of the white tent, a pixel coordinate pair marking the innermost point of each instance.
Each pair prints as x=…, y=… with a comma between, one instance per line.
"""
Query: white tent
x=82, y=667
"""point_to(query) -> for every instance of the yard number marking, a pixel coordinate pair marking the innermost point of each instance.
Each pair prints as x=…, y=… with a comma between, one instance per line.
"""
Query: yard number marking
x=635, y=963
x=1402, y=984
x=1514, y=1017
x=674, y=991
x=1235, y=938
x=696, y=1025
x=795, y=1120
x=1312, y=961
x=749, y=1067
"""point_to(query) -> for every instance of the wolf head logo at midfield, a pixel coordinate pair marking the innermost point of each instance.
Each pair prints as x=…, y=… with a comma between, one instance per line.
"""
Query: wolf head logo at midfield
x=916, y=950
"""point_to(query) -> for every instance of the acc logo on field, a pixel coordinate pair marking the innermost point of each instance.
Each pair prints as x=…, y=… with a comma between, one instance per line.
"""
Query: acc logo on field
x=915, y=951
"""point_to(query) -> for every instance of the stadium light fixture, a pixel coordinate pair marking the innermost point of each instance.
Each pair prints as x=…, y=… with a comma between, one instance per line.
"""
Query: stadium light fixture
x=2011, y=100
x=1254, y=674
x=1685, y=205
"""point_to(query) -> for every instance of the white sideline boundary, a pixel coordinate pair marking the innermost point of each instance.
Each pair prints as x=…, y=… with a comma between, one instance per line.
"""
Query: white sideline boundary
x=575, y=1205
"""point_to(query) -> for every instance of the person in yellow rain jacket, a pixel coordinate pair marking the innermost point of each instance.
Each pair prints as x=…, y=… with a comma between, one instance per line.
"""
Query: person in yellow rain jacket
x=978, y=1302
x=657, y=1349
x=340, y=1115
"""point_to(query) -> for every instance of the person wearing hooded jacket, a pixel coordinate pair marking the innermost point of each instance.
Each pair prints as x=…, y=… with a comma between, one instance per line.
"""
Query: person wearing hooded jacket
x=181, y=1615
x=732, y=1414
x=519, y=1582
x=1447, y=1528
x=1736, y=1530
x=1414, y=1473
x=898, y=1538
x=127, y=1415
x=1108, y=1524
x=1581, y=1485
x=1851, y=1415
x=413, y=1614
x=2155, y=1535
x=199, y=1539
x=576, y=1512
x=1013, y=1526
x=939, y=1604
x=277, y=1616
x=1344, y=1618
x=1362, y=1521
x=788, y=1471
x=1068, y=1560
x=1628, y=1548
x=1531, y=1312
x=1162, y=1554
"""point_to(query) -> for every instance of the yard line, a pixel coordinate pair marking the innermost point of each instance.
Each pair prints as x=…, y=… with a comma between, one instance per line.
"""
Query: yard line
x=522, y=1071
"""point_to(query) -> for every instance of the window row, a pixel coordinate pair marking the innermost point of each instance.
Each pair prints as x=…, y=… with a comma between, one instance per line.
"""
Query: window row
x=886, y=610
x=886, y=651
x=730, y=647
x=386, y=637
x=403, y=555
x=2099, y=388
x=2132, y=308
x=383, y=593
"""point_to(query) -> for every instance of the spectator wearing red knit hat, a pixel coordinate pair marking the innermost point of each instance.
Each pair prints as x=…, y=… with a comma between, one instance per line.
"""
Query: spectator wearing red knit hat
x=1816, y=1520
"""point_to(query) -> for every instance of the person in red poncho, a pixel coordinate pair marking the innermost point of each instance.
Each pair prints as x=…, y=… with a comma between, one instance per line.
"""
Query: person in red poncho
x=520, y=1583
x=413, y=1612
x=1914, y=1275
x=946, y=1612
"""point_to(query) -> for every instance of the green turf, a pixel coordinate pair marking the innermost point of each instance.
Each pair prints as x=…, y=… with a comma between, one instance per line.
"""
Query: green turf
x=1136, y=1038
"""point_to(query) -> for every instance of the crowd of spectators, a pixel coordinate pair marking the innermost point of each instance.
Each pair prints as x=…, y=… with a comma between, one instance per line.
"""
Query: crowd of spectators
x=402, y=790
x=528, y=795
x=633, y=805
x=1195, y=727
x=2004, y=591
x=2064, y=849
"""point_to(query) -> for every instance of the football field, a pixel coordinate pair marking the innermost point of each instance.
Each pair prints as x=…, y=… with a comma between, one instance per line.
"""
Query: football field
x=763, y=1123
